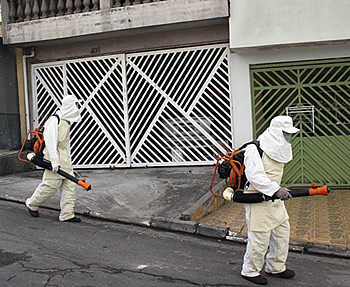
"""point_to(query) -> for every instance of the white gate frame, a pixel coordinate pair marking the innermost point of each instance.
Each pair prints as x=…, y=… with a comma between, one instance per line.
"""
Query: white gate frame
x=185, y=127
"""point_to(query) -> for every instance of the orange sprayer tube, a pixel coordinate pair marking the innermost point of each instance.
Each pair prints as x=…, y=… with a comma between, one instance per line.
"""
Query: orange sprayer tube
x=84, y=185
x=323, y=190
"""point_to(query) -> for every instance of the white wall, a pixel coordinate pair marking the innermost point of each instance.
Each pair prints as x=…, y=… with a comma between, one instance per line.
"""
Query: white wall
x=240, y=79
x=258, y=23
x=0, y=22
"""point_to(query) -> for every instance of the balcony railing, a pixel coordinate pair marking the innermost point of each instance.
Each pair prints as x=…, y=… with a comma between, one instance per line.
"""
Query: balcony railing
x=28, y=21
x=26, y=10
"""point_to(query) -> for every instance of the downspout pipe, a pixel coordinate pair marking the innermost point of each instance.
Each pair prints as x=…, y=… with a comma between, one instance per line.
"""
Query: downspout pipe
x=25, y=80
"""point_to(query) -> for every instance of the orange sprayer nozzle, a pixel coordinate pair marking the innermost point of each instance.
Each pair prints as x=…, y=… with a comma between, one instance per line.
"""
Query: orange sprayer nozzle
x=323, y=190
x=85, y=185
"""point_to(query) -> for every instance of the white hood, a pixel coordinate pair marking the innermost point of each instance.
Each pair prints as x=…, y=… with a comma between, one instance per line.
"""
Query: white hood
x=69, y=110
x=273, y=142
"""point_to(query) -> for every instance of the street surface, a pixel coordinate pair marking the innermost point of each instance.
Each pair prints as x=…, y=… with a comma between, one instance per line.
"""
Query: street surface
x=44, y=252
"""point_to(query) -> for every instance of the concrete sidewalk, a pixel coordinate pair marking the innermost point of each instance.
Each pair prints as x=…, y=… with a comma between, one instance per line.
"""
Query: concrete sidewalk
x=156, y=197
x=318, y=223
x=177, y=199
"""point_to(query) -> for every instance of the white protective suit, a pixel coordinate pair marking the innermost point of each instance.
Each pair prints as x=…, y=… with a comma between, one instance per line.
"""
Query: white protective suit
x=56, y=136
x=267, y=222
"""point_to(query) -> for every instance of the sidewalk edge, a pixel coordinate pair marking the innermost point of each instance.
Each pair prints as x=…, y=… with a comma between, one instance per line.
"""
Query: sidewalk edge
x=212, y=231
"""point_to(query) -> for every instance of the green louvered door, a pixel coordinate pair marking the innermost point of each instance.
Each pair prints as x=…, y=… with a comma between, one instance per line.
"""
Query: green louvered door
x=317, y=96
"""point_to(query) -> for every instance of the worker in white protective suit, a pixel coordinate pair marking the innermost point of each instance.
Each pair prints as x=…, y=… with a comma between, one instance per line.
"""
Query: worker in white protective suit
x=267, y=222
x=56, y=136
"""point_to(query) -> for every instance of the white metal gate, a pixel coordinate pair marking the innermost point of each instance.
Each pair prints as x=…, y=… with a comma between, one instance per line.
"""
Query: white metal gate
x=159, y=108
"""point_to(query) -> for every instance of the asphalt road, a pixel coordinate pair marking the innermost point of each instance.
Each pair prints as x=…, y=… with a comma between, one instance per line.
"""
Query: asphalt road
x=44, y=252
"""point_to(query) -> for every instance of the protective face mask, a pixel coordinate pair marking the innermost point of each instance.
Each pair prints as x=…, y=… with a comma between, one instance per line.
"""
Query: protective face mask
x=288, y=137
x=70, y=110
x=274, y=144
x=78, y=105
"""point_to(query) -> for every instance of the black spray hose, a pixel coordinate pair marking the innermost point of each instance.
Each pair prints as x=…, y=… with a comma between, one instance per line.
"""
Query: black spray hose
x=241, y=197
x=47, y=165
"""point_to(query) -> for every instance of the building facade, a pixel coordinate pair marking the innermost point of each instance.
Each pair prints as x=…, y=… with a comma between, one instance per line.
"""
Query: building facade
x=9, y=109
x=175, y=82
x=293, y=57
x=137, y=66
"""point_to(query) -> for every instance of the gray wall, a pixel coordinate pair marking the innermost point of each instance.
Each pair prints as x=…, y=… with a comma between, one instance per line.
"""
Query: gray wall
x=9, y=111
x=140, y=41
x=106, y=21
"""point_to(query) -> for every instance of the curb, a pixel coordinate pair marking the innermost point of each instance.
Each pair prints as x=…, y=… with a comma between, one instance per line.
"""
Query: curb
x=212, y=231
x=174, y=224
x=219, y=232
x=192, y=227
x=207, y=230
x=207, y=204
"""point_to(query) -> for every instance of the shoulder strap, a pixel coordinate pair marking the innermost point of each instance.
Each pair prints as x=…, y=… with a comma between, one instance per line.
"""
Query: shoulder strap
x=245, y=183
x=58, y=117
x=256, y=143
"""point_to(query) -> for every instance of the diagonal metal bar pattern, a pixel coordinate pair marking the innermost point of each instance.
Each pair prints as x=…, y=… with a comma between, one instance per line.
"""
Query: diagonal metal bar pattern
x=99, y=140
x=179, y=106
x=321, y=150
x=48, y=83
x=159, y=108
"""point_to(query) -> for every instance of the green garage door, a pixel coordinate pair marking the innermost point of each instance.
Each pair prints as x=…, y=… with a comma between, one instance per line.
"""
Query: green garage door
x=317, y=96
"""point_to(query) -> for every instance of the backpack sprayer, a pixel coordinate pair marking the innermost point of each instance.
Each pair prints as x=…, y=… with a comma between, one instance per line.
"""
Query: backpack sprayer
x=231, y=168
x=36, y=143
x=47, y=165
